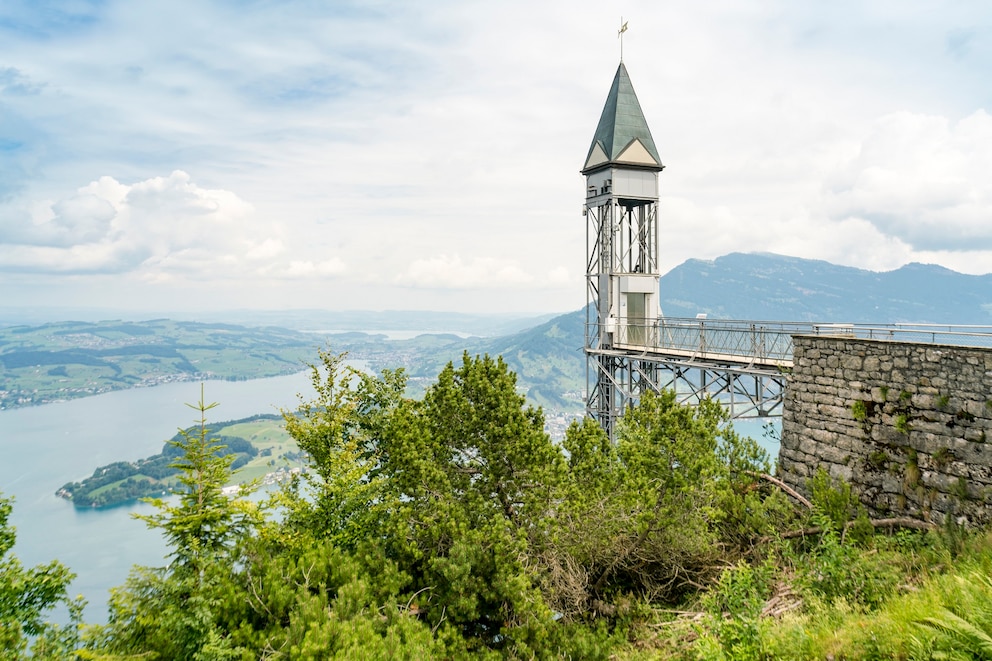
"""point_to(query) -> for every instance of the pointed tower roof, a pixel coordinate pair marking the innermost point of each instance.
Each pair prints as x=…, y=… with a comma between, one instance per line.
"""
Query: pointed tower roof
x=623, y=136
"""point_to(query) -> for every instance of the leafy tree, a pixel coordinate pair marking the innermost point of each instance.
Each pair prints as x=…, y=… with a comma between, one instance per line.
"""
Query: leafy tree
x=313, y=583
x=449, y=527
x=342, y=496
x=203, y=525
x=301, y=597
x=26, y=595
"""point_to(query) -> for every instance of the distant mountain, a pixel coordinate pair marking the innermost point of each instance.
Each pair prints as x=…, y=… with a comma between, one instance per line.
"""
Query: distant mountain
x=774, y=287
x=549, y=360
x=483, y=325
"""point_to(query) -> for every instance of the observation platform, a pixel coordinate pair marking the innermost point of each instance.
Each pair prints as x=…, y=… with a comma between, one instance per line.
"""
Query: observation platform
x=768, y=344
x=742, y=364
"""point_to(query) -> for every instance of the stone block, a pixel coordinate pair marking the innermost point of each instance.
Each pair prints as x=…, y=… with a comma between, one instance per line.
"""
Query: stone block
x=834, y=411
x=839, y=472
x=832, y=455
x=891, y=483
x=878, y=394
x=823, y=436
x=845, y=443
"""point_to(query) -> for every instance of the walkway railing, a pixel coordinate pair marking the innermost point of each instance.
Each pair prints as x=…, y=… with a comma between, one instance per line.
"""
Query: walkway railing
x=959, y=335
x=769, y=343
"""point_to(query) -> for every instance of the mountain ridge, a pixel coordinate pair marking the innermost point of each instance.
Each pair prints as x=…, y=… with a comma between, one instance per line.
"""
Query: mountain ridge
x=769, y=286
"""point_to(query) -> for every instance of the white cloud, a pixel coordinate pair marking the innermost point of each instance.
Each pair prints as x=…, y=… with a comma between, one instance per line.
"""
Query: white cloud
x=322, y=269
x=442, y=142
x=922, y=179
x=107, y=226
x=87, y=258
x=484, y=273
x=266, y=250
x=162, y=229
x=560, y=276
x=446, y=272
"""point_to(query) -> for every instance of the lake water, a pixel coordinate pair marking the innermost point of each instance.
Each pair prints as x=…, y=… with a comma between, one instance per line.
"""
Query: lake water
x=43, y=447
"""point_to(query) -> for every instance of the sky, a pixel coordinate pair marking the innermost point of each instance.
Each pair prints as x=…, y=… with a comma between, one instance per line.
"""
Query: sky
x=380, y=155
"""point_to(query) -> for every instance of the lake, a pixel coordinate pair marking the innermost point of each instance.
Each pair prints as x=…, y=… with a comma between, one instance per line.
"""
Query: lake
x=43, y=447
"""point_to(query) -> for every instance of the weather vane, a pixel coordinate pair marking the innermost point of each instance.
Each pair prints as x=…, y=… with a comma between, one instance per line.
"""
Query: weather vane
x=623, y=28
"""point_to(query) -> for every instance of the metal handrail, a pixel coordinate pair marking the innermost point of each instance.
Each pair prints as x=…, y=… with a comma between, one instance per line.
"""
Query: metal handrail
x=770, y=342
x=959, y=335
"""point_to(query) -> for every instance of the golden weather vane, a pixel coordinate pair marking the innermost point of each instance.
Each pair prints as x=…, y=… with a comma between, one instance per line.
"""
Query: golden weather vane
x=623, y=28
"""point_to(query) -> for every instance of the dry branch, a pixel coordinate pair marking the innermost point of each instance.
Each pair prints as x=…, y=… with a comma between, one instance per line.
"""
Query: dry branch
x=900, y=522
x=783, y=486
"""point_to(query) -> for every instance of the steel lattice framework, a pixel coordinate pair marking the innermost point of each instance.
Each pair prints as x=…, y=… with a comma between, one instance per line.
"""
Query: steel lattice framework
x=743, y=365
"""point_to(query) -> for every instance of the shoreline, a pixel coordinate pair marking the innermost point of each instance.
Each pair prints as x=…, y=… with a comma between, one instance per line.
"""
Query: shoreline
x=269, y=479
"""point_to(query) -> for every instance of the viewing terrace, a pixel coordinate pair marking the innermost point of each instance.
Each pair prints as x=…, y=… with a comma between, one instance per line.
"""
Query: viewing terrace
x=768, y=344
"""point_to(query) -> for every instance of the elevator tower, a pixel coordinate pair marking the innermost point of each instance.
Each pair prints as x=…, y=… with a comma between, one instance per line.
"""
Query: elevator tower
x=622, y=271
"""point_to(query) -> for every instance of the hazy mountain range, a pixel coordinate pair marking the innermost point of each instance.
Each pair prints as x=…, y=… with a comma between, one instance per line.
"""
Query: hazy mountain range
x=39, y=363
x=774, y=287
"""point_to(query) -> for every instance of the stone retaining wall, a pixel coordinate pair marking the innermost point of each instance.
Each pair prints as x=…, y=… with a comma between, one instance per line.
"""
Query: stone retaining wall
x=909, y=426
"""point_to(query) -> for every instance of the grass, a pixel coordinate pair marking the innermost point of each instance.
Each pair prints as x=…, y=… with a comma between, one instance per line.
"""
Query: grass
x=264, y=435
x=107, y=487
x=938, y=574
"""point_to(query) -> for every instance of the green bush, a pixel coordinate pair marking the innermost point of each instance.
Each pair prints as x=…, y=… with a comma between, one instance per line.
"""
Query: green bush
x=733, y=606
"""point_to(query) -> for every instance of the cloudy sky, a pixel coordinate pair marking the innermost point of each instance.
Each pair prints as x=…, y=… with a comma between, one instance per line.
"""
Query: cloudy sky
x=425, y=155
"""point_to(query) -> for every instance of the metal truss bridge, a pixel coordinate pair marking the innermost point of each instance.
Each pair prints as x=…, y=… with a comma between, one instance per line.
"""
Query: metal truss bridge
x=744, y=365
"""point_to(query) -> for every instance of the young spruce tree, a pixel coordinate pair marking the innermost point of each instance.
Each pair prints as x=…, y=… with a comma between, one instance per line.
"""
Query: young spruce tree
x=172, y=612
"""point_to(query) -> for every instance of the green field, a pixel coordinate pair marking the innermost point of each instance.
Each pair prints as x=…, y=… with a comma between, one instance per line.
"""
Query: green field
x=66, y=360
x=271, y=449
x=265, y=435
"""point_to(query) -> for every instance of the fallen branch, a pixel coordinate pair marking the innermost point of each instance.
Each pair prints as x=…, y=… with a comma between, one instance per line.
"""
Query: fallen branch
x=783, y=486
x=900, y=522
x=781, y=602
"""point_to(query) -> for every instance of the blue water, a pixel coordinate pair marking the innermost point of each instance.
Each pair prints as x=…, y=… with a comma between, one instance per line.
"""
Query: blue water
x=43, y=447
x=755, y=428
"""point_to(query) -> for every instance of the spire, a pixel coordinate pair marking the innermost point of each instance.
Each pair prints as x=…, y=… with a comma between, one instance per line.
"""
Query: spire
x=623, y=136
